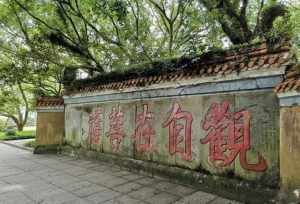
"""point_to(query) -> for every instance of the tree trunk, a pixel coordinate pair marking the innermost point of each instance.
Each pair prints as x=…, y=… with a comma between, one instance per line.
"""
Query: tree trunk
x=23, y=120
x=20, y=127
x=14, y=118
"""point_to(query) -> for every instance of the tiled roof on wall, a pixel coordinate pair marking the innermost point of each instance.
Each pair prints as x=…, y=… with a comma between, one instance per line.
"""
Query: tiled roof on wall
x=291, y=81
x=256, y=57
x=50, y=101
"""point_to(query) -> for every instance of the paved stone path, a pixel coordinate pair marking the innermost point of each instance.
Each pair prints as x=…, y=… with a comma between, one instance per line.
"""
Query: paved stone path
x=26, y=178
x=19, y=143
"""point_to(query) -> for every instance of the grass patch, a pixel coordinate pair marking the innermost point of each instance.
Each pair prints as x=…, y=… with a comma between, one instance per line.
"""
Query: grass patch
x=2, y=134
x=30, y=144
x=27, y=134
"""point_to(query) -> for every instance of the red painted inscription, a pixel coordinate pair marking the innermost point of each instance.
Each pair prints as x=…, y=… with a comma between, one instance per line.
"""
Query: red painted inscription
x=95, y=126
x=229, y=136
x=180, y=132
x=144, y=132
x=116, y=132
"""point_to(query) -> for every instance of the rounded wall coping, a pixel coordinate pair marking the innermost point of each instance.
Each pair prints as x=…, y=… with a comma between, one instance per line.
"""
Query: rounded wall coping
x=257, y=81
x=251, y=74
x=45, y=109
x=289, y=99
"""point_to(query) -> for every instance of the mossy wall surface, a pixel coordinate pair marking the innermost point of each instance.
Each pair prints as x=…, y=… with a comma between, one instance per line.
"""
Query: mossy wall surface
x=233, y=134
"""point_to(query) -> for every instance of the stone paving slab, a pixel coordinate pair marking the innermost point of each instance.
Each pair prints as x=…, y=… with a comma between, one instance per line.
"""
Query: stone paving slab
x=19, y=143
x=53, y=179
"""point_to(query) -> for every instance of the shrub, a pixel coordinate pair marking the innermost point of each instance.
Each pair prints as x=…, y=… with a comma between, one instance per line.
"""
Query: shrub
x=10, y=132
x=2, y=124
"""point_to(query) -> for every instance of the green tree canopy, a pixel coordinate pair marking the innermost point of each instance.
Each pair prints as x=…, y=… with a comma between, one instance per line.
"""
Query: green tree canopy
x=45, y=37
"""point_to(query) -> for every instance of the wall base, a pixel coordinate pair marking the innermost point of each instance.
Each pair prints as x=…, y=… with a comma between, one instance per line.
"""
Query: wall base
x=236, y=189
x=47, y=149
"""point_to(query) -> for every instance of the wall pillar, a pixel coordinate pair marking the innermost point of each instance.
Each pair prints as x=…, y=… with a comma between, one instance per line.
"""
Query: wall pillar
x=290, y=140
x=50, y=121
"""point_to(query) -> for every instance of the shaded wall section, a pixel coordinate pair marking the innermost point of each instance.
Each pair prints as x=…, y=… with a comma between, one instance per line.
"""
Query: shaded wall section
x=50, y=128
x=290, y=146
x=50, y=121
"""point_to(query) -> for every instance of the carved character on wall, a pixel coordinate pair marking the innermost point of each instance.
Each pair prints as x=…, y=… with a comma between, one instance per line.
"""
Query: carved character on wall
x=95, y=121
x=229, y=136
x=180, y=132
x=144, y=132
x=116, y=129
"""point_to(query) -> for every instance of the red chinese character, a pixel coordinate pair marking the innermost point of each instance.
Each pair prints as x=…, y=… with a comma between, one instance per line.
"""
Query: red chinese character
x=180, y=134
x=116, y=132
x=144, y=131
x=229, y=136
x=95, y=126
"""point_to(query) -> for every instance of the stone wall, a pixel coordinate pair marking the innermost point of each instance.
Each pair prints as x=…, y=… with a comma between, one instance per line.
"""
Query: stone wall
x=217, y=115
x=233, y=133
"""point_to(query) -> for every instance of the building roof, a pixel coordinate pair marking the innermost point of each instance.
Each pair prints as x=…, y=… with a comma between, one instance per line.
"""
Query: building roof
x=221, y=63
x=50, y=101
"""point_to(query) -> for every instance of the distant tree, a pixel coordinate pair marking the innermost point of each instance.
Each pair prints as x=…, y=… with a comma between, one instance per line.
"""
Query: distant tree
x=25, y=59
x=15, y=104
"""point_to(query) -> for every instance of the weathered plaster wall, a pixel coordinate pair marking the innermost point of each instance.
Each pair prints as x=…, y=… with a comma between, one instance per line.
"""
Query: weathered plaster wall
x=290, y=146
x=50, y=128
x=234, y=134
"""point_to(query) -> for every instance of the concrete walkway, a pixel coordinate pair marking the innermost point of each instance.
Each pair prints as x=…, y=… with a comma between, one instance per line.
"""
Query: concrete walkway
x=19, y=143
x=27, y=178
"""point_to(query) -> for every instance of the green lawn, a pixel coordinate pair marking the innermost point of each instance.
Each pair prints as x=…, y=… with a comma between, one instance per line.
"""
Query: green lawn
x=26, y=134
x=2, y=134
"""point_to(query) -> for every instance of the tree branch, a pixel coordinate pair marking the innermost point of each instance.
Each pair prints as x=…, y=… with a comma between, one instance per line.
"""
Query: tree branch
x=14, y=118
